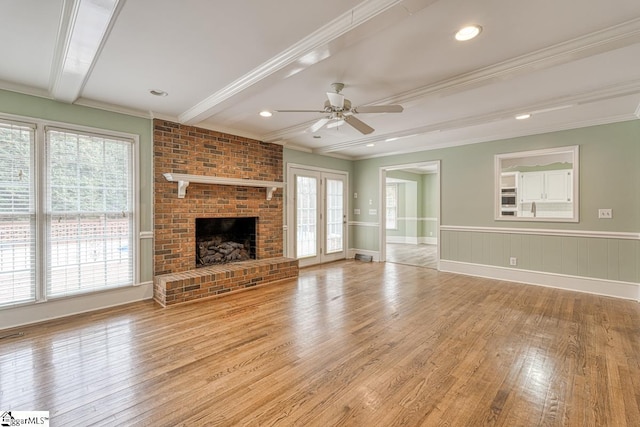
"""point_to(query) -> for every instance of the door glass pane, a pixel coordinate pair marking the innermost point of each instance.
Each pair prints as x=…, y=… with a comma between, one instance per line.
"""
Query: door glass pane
x=335, y=215
x=306, y=214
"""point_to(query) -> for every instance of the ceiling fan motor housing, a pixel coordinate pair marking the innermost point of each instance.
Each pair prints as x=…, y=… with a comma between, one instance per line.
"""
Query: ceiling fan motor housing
x=330, y=108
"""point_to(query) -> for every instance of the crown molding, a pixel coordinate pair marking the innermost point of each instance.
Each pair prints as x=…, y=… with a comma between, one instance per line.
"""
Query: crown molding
x=105, y=106
x=506, y=135
x=24, y=90
x=309, y=150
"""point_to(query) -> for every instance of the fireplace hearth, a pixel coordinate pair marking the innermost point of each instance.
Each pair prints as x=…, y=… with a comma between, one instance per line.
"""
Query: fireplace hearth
x=225, y=240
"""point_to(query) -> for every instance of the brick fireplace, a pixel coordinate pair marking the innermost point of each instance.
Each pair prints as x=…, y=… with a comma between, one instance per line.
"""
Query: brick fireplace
x=180, y=149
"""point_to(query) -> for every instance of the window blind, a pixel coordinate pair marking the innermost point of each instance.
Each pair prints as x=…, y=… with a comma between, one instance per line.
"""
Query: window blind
x=89, y=212
x=17, y=213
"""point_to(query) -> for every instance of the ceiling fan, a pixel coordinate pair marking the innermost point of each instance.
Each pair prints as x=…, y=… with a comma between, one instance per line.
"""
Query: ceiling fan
x=338, y=110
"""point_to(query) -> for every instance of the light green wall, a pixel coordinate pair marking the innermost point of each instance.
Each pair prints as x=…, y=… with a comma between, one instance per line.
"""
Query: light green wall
x=609, y=177
x=429, y=227
x=46, y=109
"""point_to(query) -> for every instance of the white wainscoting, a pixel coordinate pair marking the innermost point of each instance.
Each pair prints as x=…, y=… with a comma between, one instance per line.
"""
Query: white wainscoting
x=599, y=262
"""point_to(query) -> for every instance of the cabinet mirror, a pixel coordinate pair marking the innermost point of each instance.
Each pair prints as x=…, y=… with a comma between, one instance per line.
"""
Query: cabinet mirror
x=540, y=185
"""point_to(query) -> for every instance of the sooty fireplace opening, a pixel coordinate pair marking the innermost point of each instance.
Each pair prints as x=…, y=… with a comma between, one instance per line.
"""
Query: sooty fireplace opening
x=223, y=240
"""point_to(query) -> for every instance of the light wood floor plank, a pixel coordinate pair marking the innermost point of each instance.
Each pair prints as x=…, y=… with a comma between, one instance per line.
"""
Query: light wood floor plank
x=348, y=344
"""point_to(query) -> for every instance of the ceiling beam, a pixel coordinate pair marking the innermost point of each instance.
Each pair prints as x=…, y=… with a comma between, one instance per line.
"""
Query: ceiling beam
x=312, y=46
x=84, y=28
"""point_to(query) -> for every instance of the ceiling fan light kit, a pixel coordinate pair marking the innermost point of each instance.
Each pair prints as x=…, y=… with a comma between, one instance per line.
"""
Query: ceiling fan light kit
x=339, y=109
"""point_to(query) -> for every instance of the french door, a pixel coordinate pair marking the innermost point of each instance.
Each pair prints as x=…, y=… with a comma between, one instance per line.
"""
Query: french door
x=317, y=207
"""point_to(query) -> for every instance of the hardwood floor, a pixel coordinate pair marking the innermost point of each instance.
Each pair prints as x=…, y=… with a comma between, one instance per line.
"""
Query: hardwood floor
x=419, y=255
x=347, y=344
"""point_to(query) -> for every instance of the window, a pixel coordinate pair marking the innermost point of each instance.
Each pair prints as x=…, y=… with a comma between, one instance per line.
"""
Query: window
x=17, y=213
x=392, y=206
x=69, y=229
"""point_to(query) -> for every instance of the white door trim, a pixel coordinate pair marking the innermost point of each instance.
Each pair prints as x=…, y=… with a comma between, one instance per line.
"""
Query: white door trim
x=289, y=220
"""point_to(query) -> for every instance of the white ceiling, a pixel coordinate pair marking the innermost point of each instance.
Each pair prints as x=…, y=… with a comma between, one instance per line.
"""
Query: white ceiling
x=571, y=63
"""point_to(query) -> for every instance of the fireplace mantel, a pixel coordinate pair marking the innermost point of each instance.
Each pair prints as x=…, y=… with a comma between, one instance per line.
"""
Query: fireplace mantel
x=183, y=181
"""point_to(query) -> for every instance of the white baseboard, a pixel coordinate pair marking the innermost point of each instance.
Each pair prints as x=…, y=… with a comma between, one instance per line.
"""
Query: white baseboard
x=611, y=288
x=54, y=309
x=407, y=240
x=428, y=240
x=413, y=240
x=374, y=254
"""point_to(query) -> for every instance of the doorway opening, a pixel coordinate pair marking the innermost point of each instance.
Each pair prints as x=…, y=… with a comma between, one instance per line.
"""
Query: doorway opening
x=410, y=208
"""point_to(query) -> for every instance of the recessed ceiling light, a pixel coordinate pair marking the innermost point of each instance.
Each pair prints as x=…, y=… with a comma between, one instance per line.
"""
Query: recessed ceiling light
x=467, y=33
x=156, y=92
x=266, y=113
x=371, y=144
x=523, y=116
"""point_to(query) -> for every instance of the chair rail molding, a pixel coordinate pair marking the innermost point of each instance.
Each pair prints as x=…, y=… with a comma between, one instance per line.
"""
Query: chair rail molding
x=545, y=232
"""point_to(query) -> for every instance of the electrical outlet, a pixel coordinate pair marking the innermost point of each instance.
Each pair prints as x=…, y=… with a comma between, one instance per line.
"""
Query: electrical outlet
x=513, y=261
x=605, y=214
x=356, y=211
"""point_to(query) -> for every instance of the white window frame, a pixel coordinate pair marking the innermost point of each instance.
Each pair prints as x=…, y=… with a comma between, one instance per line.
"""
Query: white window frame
x=39, y=161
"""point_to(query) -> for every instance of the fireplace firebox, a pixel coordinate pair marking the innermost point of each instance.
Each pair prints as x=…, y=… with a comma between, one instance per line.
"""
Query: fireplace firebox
x=224, y=240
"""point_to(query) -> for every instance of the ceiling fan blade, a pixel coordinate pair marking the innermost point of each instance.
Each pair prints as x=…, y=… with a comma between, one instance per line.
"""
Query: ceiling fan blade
x=335, y=124
x=300, y=111
x=379, y=109
x=336, y=100
x=318, y=125
x=359, y=125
